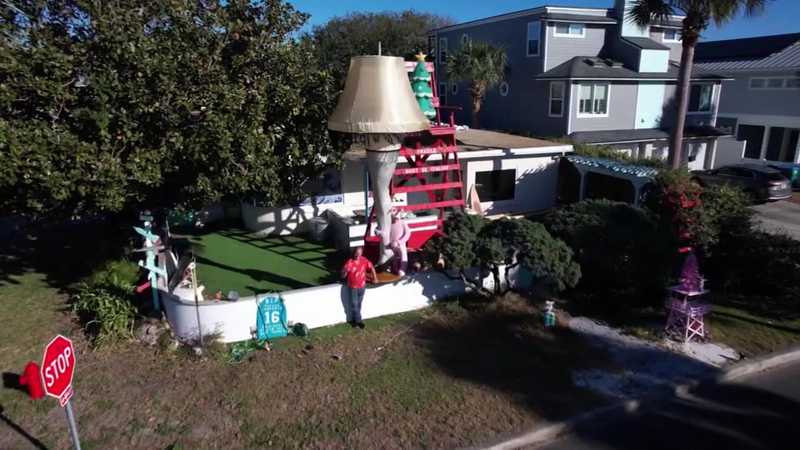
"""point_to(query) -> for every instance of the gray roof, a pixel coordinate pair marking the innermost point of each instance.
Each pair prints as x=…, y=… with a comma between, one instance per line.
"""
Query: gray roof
x=645, y=43
x=592, y=68
x=766, y=52
x=642, y=135
x=579, y=18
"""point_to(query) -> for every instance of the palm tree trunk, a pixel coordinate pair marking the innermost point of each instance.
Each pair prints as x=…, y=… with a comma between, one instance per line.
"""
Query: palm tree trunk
x=476, y=109
x=684, y=90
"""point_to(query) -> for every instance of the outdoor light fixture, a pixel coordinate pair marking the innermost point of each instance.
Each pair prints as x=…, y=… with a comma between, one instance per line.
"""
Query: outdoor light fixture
x=378, y=107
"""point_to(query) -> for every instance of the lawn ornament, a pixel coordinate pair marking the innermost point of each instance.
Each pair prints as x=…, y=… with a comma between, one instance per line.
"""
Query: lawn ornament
x=378, y=107
x=152, y=246
x=685, y=306
x=399, y=236
x=421, y=85
x=549, y=314
x=32, y=380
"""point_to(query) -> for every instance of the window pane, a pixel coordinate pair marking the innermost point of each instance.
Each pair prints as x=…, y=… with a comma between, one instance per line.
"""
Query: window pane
x=534, y=32
x=793, y=83
x=557, y=91
x=556, y=107
x=600, y=106
x=495, y=185
x=775, y=83
x=757, y=83
x=576, y=28
x=562, y=28
x=705, y=97
x=586, y=99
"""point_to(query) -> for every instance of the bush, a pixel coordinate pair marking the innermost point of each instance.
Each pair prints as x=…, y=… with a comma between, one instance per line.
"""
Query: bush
x=104, y=302
x=476, y=242
x=756, y=263
x=698, y=216
x=623, y=253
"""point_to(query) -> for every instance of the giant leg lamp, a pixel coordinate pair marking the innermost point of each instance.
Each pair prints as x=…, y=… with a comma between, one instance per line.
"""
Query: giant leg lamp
x=378, y=107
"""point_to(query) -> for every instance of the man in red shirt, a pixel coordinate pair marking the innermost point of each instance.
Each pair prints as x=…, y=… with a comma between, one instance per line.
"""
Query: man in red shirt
x=355, y=270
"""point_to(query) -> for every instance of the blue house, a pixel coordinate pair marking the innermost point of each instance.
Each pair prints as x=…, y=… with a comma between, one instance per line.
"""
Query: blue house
x=588, y=74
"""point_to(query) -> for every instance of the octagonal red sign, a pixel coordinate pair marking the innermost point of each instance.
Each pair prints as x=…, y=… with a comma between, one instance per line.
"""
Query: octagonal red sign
x=58, y=367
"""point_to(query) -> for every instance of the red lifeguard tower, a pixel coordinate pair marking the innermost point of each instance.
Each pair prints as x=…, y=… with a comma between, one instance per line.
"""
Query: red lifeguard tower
x=432, y=158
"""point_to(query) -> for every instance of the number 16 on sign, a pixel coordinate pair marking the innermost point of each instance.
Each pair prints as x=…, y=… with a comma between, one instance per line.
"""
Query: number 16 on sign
x=57, y=370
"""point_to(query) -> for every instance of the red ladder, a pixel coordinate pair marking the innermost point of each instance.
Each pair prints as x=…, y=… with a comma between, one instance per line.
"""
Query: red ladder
x=439, y=178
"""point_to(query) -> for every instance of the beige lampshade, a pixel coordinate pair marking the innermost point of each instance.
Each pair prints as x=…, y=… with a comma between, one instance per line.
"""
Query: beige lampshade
x=377, y=98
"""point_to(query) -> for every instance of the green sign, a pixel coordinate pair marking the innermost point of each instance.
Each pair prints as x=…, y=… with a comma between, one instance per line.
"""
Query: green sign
x=271, y=319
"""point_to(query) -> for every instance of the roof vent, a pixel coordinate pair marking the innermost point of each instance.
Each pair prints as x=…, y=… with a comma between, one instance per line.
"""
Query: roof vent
x=613, y=64
x=590, y=61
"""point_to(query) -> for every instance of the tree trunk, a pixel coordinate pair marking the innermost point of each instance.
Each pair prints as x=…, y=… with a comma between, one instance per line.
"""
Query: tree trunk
x=477, y=102
x=684, y=90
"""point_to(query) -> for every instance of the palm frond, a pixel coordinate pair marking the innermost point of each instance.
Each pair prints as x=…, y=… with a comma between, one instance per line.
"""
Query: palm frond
x=645, y=12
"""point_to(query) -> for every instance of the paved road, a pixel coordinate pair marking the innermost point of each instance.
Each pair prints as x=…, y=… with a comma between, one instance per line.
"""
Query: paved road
x=760, y=412
x=783, y=216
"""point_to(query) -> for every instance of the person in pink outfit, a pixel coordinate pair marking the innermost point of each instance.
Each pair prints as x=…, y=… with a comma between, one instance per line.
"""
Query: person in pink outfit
x=399, y=235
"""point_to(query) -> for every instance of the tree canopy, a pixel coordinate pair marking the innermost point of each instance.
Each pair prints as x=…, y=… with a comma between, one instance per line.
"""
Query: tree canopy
x=106, y=106
x=400, y=34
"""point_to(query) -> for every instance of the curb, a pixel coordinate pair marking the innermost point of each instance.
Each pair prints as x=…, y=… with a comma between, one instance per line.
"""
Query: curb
x=760, y=364
x=549, y=432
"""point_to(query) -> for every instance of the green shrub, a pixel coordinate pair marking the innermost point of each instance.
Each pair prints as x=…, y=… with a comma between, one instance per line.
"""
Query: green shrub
x=606, y=152
x=104, y=302
x=624, y=254
x=475, y=242
x=755, y=263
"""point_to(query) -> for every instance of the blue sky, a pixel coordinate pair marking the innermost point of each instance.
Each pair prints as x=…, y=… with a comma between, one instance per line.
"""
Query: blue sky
x=780, y=16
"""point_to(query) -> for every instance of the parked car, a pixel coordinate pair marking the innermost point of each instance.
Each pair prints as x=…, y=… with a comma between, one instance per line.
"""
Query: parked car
x=791, y=171
x=763, y=183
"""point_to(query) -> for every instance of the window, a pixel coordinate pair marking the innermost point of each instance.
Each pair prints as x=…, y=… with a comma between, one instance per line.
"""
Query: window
x=504, y=88
x=454, y=88
x=570, y=30
x=700, y=98
x=464, y=39
x=496, y=185
x=775, y=83
x=442, y=50
x=534, y=35
x=556, y=108
x=593, y=99
x=672, y=36
x=754, y=135
x=432, y=45
x=442, y=92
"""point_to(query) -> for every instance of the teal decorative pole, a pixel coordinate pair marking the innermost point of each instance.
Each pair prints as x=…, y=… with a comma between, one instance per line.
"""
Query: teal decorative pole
x=151, y=248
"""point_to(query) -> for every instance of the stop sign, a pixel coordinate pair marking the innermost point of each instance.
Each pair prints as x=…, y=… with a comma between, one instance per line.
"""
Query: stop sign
x=58, y=367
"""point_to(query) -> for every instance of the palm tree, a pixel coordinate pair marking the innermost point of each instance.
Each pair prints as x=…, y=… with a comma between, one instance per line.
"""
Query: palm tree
x=699, y=15
x=483, y=66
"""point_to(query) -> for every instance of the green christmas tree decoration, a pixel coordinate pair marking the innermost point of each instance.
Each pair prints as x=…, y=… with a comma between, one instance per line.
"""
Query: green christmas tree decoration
x=420, y=84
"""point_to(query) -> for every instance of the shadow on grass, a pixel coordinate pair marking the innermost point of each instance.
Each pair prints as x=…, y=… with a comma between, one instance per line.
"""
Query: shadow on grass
x=21, y=431
x=64, y=254
x=260, y=276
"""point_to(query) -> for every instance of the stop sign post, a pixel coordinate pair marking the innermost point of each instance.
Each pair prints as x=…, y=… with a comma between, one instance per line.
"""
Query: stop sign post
x=57, y=370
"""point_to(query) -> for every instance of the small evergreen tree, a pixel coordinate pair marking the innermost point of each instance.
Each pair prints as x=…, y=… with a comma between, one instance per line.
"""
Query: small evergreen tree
x=421, y=85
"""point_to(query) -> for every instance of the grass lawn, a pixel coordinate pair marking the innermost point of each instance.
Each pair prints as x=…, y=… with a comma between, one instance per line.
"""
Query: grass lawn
x=749, y=325
x=452, y=375
x=233, y=259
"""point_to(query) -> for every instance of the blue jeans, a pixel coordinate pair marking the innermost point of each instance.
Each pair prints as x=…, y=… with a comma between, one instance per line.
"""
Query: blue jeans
x=356, y=298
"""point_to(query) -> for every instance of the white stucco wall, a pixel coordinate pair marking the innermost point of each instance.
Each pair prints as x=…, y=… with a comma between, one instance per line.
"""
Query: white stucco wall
x=537, y=181
x=316, y=307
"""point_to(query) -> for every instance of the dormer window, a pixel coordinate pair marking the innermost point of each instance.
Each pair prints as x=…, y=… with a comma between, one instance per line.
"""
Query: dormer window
x=574, y=30
x=671, y=35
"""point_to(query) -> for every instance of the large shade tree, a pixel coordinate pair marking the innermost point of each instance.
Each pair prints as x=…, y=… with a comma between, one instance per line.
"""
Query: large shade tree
x=402, y=33
x=109, y=106
x=482, y=66
x=699, y=15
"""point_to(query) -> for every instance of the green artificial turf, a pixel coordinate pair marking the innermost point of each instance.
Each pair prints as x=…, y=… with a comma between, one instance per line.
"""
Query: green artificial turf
x=234, y=259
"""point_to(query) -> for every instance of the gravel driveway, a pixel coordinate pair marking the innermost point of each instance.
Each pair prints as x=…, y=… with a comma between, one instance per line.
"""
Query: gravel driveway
x=779, y=217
